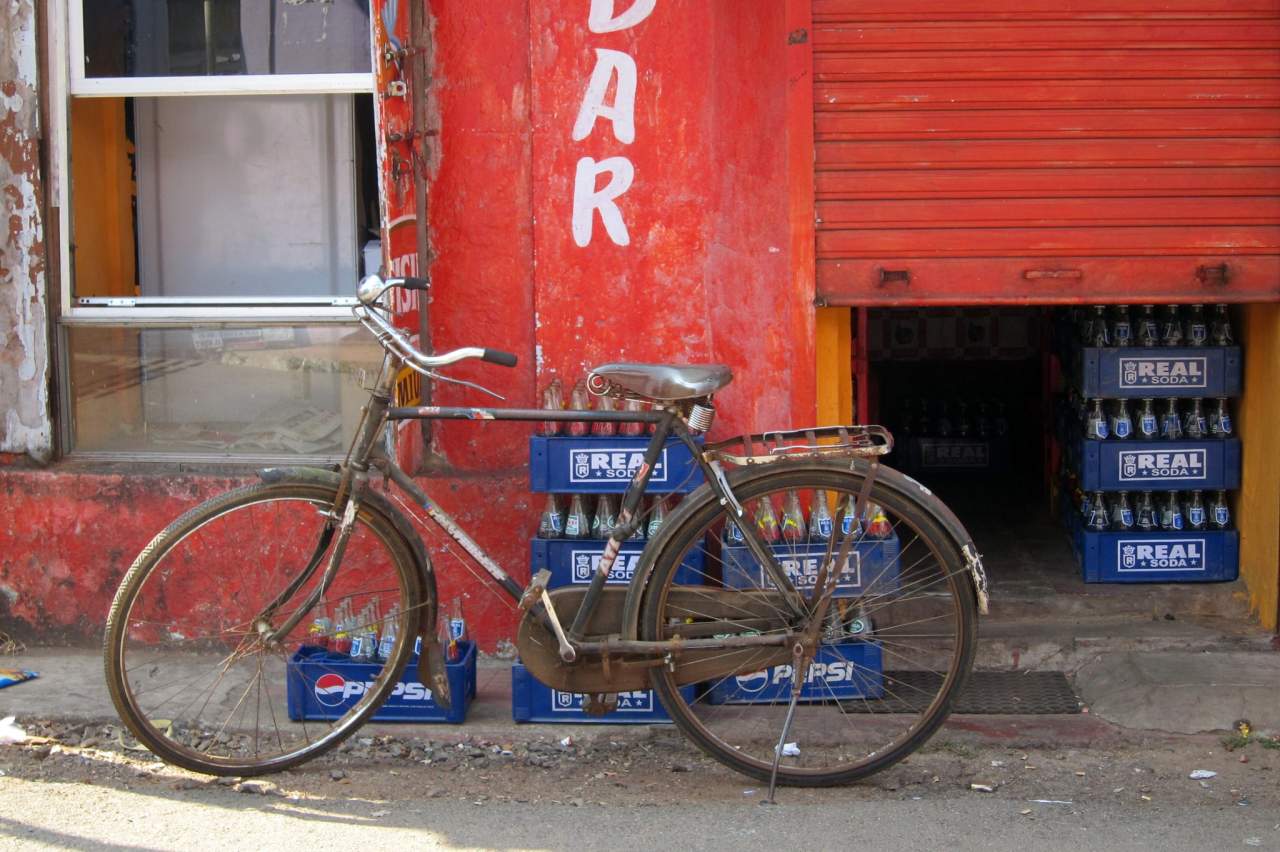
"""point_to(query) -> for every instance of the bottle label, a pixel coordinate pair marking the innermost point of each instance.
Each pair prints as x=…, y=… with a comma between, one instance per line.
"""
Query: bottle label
x=1126, y=517
x=1224, y=424
x=1199, y=333
x=1100, y=429
x=1221, y=516
x=1148, y=424
x=1177, y=521
x=557, y=522
x=1196, y=516
x=573, y=526
x=457, y=629
x=735, y=533
x=1122, y=428
x=824, y=527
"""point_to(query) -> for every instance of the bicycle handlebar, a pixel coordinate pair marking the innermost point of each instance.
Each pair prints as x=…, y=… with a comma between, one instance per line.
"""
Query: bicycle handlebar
x=371, y=290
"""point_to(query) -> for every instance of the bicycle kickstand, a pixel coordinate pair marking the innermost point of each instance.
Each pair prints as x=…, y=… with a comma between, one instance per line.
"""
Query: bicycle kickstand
x=797, y=682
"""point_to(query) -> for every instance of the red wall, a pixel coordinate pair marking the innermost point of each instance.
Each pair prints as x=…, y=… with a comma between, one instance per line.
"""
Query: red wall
x=710, y=272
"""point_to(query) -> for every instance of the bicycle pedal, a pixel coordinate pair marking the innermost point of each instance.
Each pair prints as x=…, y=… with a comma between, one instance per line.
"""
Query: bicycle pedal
x=600, y=703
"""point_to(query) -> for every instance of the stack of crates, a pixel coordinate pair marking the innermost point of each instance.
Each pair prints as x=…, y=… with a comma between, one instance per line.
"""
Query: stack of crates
x=1101, y=467
x=595, y=465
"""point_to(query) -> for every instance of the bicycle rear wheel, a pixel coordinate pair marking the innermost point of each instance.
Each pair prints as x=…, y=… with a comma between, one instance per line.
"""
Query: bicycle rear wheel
x=896, y=646
x=186, y=663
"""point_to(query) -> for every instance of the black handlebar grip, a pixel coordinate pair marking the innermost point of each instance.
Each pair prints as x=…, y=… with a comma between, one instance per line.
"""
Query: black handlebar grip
x=411, y=283
x=493, y=356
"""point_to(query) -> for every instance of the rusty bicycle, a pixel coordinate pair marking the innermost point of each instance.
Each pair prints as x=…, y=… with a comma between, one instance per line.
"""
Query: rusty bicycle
x=811, y=657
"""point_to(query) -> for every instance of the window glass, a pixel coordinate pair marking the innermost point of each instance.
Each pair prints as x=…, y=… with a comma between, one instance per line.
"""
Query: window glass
x=265, y=391
x=230, y=197
x=163, y=38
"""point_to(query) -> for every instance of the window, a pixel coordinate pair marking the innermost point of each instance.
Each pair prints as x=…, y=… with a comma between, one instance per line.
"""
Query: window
x=218, y=195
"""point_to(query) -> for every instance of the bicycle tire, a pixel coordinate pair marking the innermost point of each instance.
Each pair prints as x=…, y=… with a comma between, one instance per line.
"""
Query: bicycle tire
x=736, y=716
x=180, y=606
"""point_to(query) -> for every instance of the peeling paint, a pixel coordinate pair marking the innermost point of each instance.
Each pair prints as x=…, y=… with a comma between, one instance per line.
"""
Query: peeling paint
x=25, y=426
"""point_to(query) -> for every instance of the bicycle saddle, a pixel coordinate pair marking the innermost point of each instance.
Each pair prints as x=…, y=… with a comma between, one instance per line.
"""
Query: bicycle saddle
x=663, y=382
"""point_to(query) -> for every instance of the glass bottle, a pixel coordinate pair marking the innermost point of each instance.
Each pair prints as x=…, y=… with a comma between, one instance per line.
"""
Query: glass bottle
x=820, y=518
x=579, y=400
x=1171, y=513
x=1001, y=421
x=1195, y=329
x=878, y=525
x=766, y=520
x=605, y=518
x=1145, y=517
x=1195, y=514
x=552, y=400
x=924, y=425
x=850, y=521
x=1220, y=512
x=1121, y=328
x=1148, y=427
x=577, y=523
x=634, y=428
x=1147, y=333
x=1121, y=512
x=551, y=525
x=982, y=422
x=605, y=428
x=905, y=417
x=963, y=425
x=1170, y=327
x=1095, y=427
x=1097, y=520
x=1099, y=335
x=793, y=526
x=1121, y=422
x=1220, y=419
x=943, y=428
x=1220, y=327
x=1171, y=422
x=1195, y=426
x=657, y=516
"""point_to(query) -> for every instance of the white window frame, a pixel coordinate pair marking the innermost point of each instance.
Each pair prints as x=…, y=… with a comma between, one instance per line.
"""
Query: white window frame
x=67, y=80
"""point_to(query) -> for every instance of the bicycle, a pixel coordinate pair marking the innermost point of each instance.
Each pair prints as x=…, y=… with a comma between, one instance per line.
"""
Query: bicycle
x=764, y=654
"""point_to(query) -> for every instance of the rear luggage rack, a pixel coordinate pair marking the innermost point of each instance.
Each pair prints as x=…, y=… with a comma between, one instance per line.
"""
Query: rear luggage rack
x=823, y=442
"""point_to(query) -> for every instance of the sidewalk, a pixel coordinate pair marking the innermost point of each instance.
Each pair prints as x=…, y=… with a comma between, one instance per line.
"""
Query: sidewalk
x=1127, y=693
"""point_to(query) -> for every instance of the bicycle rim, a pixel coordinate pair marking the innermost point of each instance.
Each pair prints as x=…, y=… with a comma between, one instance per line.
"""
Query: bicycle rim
x=186, y=663
x=897, y=641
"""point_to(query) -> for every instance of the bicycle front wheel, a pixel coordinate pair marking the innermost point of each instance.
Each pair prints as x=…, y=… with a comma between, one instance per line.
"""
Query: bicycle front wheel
x=896, y=643
x=187, y=662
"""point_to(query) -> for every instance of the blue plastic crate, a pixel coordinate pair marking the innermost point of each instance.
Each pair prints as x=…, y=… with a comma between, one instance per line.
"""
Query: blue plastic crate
x=533, y=701
x=957, y=455
x=1184, y=371
x=1158, y=557
x=572, y=562
x=1208, y=465
x=872, y=566
x=606, y=465
x=838, y=672
x=323, y=685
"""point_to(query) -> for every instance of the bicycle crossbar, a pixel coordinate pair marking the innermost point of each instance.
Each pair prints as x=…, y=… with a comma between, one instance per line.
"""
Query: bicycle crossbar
x=437, y=412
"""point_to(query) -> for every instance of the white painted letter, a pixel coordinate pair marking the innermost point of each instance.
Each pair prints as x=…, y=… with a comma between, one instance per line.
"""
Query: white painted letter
x=623, y=111
x=602, y=20
x=587, y=199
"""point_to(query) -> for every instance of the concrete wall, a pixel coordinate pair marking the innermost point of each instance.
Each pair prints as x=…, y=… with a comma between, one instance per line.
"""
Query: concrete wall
x=25, y=426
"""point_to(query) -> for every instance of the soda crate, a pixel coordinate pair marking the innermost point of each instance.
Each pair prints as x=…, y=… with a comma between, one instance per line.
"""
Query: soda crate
x=845, y=671
x=597, y=465
x=1134, y=556
x=957, y=455
x=1183, y=371
x=573, y=562
x=872, y=566
x=324, y=685
x=533, y=701
x=1208, y=465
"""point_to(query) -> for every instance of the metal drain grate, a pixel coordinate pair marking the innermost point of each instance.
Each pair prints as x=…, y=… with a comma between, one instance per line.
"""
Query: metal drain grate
x=1018, y=693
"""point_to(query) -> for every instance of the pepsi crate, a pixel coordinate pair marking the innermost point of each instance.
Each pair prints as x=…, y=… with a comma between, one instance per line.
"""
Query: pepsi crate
x=872, y=566
x=573, y=561
x=838, y=672
x=1208, y=465
x=1184, y=371
x=598, y=465
x=1134, y=556
x=534, y=701
x=323, y=685
x=956, y=455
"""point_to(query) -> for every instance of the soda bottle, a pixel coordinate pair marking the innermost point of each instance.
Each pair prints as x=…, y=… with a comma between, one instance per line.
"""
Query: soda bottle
x=1121, y=422
x=878, y=525
x=361, y=652
x=1171, y=513
x=1098, y=333
x=850, y=522
x=1095, y=427
x=943, y=428
x=369, y=632
x=1001, y=421
x=1145, y=517
x=1121, y=328
x=766, y=520
x=457, y=631
x=1220, y=419
x=1220, y=327
x=605, y=428
x=1219, y=512
x=632, y=429
x=390, y=627
x=905, y=426
x=552, y=400
x=320, y=630
x=1194, y=425
x=551, y=525
x=820, y=518
x=577, y=524
x=1097, y=520
x=925, y=423
x=1171, y=327
x=793, y=526
x=1195, y=329
x=605, y=518
x=1121, y=512
x=1171, y=422
x=579, y=400
x=982, y=421
x=341, y=643
x=734, y=534
x=1148, y=428
x=657, y=516
x=1148, y=330
x=1196, y=518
